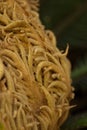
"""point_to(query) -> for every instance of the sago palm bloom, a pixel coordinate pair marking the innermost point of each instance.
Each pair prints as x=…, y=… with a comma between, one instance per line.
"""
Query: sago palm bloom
x=35, y=83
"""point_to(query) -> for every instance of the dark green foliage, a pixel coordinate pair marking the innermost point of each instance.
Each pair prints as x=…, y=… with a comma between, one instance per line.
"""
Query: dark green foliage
x=80, y=68
x=77, y=122
x=68, y=20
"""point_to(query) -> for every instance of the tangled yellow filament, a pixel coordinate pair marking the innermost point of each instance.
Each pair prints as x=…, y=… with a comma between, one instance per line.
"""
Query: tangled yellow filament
x=35, y=83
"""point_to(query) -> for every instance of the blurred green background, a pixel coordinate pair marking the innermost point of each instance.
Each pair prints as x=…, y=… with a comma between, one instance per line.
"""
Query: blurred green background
x=68, y=20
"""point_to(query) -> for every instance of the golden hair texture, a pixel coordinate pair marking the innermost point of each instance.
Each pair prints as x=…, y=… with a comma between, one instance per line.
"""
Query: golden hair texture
x=35, y=83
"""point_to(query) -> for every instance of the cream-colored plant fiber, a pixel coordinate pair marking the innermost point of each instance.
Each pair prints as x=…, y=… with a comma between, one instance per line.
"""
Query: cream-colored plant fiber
x=35, y=83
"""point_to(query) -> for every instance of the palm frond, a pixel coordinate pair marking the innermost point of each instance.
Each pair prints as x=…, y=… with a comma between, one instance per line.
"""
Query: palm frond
x=80, y=69
x=68, y=19
x=77, y=122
